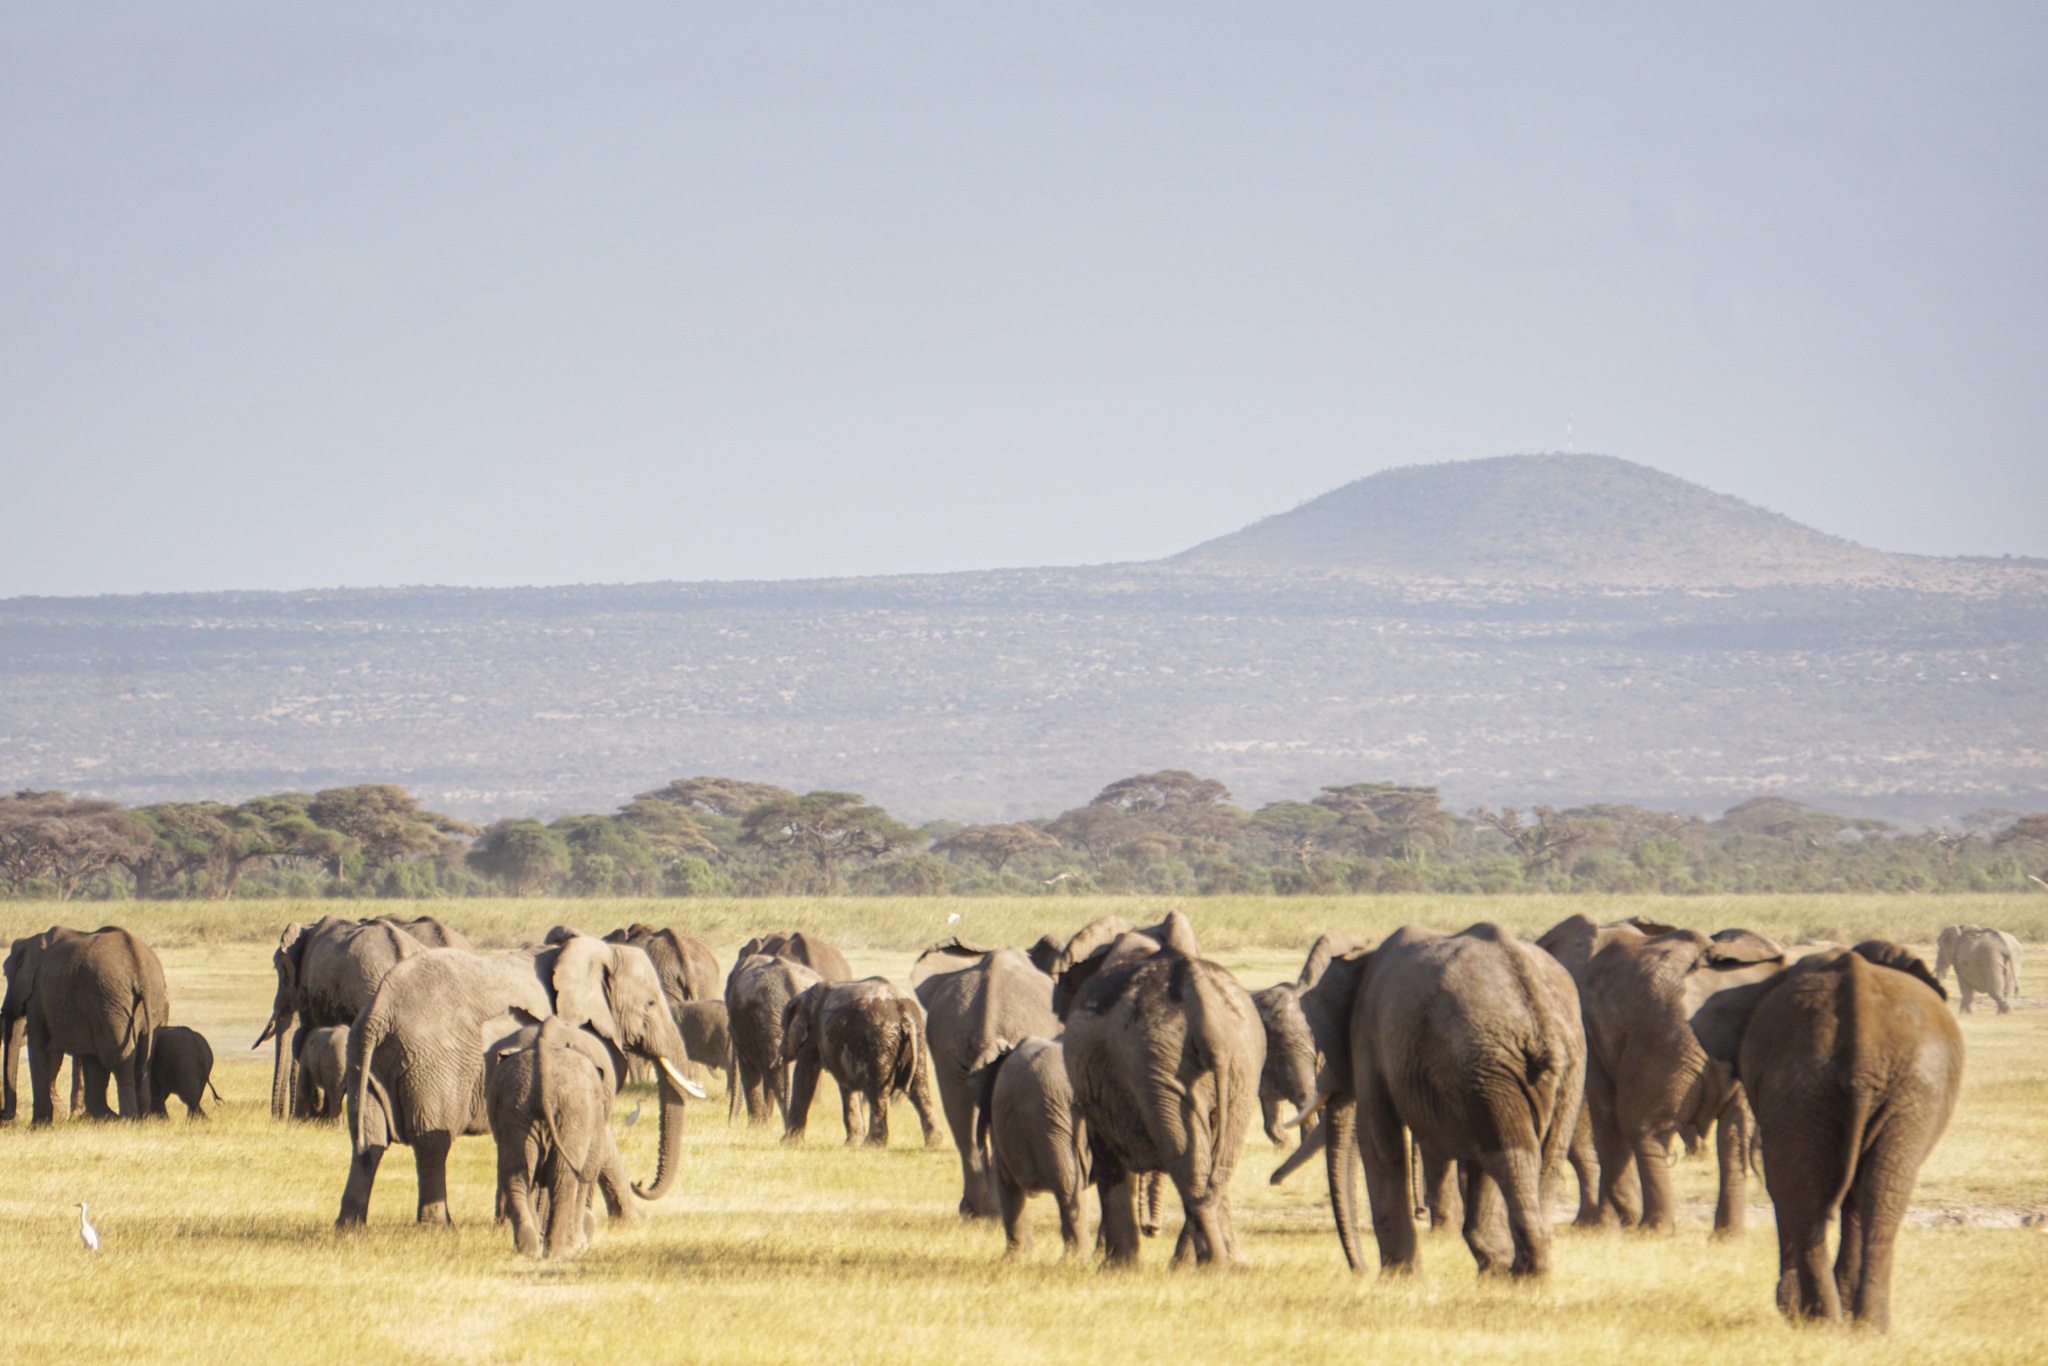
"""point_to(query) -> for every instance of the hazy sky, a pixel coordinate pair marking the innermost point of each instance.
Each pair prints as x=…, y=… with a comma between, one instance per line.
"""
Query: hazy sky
x=313, y=294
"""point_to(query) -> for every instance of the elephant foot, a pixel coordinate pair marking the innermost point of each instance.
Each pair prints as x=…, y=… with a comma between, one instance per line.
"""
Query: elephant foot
x=436, y=1213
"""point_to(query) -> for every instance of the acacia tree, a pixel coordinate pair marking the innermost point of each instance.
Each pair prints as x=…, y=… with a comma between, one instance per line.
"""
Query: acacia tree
x=1176, y=801
x=733, y=797
x=52, y=836
x=1387, y=820
x=1096, y=830
x=1548, y=836
x=522, y=854
x=385, y=823
x=1298, y=828
x=994, y=845
x=827, y=827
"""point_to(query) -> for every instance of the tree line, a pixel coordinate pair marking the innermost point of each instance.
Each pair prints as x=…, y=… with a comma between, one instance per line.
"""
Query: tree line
x=1171, y=832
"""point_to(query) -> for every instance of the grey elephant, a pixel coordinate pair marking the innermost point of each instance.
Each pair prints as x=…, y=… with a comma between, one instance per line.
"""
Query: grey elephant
x=869, y=1035
x=1164, y=1053
x=760, y=986
x=1030, y=1140
x=181, y=1065
x=797, y=947
x=686, y=964
x=318, y=1074
x=1647, y=1079
x=1852, y=1062
x=1290, y=1072
x=1986, y=961
x=416, y=1054
x=1471, y=1045
x=95, y=996
x=326, y=974
x=548, y=1090
x=977, y=1002
x=707, y=1038
x=1111, y=940
x=1573, y=942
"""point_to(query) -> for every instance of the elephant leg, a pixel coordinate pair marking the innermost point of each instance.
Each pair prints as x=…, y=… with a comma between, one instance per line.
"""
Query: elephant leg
x=565, y=1209
x=430, y=1160
x=515, y=1188
x=878, y=1117
x=1119, y=1219
x=1806, y=1288
x=1871, y=1214
x=1969, y=996
x=131, y=1086
x=921, y=1100
x=1442, y=1200
x=1151, y=1196
x=1653, y=1168
x=1586, y=1169
x=1383, y=1142
x=87, y=1073
x=978, y=1199
x=362, y=1178
x=1518, y=1173
x=1486, y=1223
x=612, y=1182
x=1016, y=1228
x=1731, y=1152
x=78, y=1087
x=850, y=1115
x=42, y=1081
x=1070, y=1219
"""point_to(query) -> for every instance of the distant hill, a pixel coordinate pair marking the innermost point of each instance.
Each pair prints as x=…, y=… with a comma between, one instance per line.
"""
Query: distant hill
x=1544, y=519
x=1524, y=629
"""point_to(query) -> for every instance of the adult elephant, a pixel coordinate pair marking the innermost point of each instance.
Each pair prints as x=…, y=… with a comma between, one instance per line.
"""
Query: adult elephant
x=326, y=974
x=1852, y=1063
x=416, y=1054
x=977, y=1002
x=1164, y=1053
x=796, y=946
x=1573, y=942
x=1647, y=1078
x=1986, y=961
x=869, y=1035
x=1109, y=941
x=1290, y=1071
x=96, y=996
x=688, y=968
x=761, y=986
x=1469, y=1043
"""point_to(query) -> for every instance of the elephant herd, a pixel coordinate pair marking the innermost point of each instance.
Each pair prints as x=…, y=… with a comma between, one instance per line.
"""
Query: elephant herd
x=1465, y=1072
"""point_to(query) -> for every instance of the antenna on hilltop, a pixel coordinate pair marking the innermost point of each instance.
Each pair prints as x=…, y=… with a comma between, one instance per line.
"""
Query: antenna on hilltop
x=1567, y=433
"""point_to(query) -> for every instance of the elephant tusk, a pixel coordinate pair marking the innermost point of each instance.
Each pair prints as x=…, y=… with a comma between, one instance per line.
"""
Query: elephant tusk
x=1310, y=1113
x=268, y=1030
x=682, y=1082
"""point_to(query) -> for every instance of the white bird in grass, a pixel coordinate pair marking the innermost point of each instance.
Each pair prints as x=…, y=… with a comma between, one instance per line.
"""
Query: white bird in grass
x=1055, y=881
x=953, y=919
x=634, y=1118
x=87, y=1234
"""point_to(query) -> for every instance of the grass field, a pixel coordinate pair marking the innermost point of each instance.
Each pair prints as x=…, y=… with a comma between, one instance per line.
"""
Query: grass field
x=219, y=1245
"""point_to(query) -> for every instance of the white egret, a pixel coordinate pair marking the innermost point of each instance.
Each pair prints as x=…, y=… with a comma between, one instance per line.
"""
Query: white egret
x=634, y=1118
x=87, y=1234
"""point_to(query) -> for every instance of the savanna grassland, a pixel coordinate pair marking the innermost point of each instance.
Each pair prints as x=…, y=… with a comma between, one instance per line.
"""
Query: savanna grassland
x=219, y=1245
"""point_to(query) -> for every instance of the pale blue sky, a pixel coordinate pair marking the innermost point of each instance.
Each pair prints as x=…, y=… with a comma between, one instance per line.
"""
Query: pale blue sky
x=492, y=294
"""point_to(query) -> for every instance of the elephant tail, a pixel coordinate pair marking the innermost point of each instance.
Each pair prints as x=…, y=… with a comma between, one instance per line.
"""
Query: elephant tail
x=363, y=1038
x=981, y=1086
x=909, y=1054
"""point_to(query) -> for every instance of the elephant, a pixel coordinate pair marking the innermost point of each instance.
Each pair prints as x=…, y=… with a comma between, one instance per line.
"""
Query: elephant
x=1290, y=1072
x=95, y=996
x=416, y=1054
x=1164, y=1052
x=1471, y=1045
x=977, y=1002
x=708, y=1040
x=760, y=986
x=548, y=1089
x=326, y=974
x=1852, y=1062
x=181, y=1065
x=688, y=968
x=1985, y=960
x=319, y=1073
x=796, y=946
x=1109, y=940
x=1646, y=1077
x=1029, y=1138
x=1573, y=941
x=869, y=1035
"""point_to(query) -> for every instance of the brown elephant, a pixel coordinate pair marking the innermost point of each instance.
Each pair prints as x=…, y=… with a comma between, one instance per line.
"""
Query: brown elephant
x=317, y=1077
x=1030, y=1139
x=760, y=986
x=95, y=996
x=977, y=1003
x=416, y=1054
x=1573, y=942
x=1986, y=962
x=796, y=946
x=1471, y=1044
x=707, y=1038
x=181, y=1065
x=326, y=974
x=1164, y=1052
x=548, y=1089
x=1290, y=1073
x=1852, y=1063
x=1647, y=1079
x=688, y=967
x=869, y=1035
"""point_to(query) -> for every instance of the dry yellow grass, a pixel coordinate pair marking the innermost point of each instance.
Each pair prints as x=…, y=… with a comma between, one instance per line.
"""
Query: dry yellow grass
x=219, y=1246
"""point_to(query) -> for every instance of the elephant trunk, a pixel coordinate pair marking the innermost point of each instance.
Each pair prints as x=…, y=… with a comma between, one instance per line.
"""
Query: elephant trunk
x=280, y=1081
x=1340, y=1149
x=671, y=1138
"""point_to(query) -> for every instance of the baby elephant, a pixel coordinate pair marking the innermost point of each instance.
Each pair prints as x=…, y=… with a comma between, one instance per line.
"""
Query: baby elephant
x=870, y=1036
x=318, y=1071
x=1028, y=1135
x=708, y=1041
x=548, y=1091
x=181, y=1065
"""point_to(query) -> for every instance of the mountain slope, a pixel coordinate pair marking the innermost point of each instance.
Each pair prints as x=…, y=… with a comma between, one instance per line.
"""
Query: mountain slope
x=1542, y=519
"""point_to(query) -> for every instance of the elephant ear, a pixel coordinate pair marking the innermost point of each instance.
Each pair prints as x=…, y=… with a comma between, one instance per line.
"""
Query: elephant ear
x=1045, y=954
x=559, y=934
x=1326, y=1007
x=1898, y=958
x=796, y=1021
x=1720, y=1023
x=582, y=981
